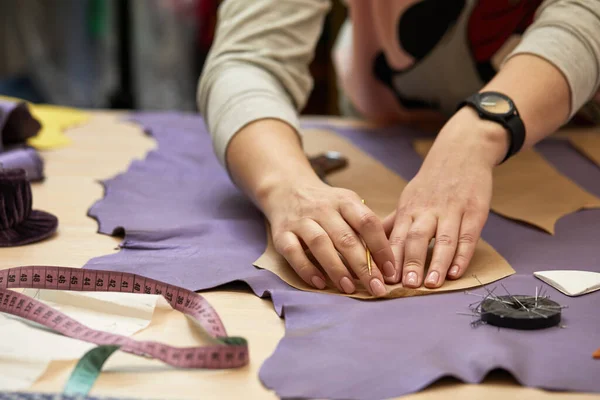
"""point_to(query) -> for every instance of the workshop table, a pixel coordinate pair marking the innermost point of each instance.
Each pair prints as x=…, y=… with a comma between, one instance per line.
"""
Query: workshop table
x=103, y=148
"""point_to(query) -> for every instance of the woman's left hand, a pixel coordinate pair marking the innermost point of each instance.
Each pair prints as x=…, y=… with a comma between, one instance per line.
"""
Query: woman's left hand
x=449, y=200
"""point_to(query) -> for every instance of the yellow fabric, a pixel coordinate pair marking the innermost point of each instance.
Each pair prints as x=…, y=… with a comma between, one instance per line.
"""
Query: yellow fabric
x=55, y=120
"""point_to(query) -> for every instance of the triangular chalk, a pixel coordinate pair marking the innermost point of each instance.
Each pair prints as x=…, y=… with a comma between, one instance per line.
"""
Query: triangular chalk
x=571, y=283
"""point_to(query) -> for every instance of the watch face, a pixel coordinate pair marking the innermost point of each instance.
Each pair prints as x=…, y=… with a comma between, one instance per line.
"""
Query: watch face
x=495, y=104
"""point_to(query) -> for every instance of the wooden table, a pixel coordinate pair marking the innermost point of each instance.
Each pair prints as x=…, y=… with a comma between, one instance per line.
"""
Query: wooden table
x=102, y=148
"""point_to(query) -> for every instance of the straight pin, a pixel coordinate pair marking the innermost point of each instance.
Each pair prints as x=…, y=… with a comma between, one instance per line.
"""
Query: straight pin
x=552, y=307
x=540, y=314
x=513, y=297
x=368, y=253
x=468, y=314
x=490, y=292
x=488, y=296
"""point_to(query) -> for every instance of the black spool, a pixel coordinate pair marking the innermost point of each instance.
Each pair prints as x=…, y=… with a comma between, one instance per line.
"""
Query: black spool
x=520, y=312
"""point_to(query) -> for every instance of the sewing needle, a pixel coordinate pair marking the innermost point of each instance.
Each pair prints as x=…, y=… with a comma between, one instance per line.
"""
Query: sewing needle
x=367, y=251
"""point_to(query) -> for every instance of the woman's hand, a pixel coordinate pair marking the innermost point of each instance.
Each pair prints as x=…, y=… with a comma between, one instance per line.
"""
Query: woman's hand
x=268, y=163
x=328, y=220
x=448, y=200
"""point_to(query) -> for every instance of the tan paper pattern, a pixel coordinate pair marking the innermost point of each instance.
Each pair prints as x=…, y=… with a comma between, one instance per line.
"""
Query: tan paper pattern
x=527, y=188
x=381, y=188
x=588, y=143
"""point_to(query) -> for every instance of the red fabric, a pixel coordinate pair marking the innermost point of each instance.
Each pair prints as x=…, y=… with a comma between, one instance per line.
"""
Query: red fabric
x=206, y=15
x=494, y=21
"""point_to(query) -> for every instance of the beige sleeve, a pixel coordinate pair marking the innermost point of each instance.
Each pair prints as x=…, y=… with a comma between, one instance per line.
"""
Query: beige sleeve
x=567, y=34
x=258, y=65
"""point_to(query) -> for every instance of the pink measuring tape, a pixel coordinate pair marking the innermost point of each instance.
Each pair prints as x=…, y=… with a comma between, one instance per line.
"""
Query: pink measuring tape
x=227, y=352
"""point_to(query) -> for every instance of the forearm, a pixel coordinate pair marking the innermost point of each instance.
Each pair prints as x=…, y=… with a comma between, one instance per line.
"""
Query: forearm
x=550, y=75
x=540, y=92
x=257, y=67
x=267, y=155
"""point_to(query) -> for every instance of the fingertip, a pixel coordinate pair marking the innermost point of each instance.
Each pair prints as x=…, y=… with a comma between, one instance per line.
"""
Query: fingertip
x=411, y=279
x=389, y=271
x=377, y=288
x=318, y=282
x=392, y=280
x=454, y=272
x=434, y=280
x=347, y=285
x=397, y=263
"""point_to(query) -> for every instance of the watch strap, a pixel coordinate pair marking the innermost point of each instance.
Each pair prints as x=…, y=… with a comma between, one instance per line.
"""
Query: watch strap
x=515, y=126
x=471, y=101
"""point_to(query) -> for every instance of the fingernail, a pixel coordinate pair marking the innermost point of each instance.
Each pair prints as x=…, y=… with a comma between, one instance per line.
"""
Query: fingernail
x=388, y=269
x=377, y=287
x=347, y=285
x=454, y=270
x=411, y=278
x=318, y=282
x=433, y=277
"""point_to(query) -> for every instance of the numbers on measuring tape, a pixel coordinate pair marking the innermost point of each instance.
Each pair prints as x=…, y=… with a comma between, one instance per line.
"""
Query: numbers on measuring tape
x=232, y=353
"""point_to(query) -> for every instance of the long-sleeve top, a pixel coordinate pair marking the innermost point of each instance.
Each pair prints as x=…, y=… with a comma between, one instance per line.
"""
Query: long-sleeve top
x=392, y=57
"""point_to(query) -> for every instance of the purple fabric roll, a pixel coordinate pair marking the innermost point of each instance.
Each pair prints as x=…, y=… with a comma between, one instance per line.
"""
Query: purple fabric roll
x=27, y=159
x=16, y=123
x=19, y=224
x=185, y=223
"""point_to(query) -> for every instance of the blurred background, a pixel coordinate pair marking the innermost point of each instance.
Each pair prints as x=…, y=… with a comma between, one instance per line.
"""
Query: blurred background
x=126, y=54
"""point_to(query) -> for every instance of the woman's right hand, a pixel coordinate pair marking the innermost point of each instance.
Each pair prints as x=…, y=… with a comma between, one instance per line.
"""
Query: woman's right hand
x=328, y=220
x=268, y=163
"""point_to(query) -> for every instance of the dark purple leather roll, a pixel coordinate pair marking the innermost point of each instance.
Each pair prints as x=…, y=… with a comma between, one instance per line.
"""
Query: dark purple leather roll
x=19, y=224
x=16, y=123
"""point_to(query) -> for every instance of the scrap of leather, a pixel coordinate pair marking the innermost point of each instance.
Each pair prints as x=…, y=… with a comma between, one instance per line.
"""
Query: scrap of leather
x=380, y=188
x=527, y=188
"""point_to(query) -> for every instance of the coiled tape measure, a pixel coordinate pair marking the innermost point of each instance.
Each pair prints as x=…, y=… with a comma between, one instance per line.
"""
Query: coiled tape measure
x=226, y=352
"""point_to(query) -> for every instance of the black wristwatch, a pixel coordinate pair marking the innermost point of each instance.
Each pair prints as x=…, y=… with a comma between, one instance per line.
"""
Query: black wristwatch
x=499, y=108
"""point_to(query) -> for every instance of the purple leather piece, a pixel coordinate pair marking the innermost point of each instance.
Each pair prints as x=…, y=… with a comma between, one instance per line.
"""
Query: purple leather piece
x=16, y=123
x=25, y=158
x=353, y=341
x=340, y=348
x=185, y=223
x=19, y=224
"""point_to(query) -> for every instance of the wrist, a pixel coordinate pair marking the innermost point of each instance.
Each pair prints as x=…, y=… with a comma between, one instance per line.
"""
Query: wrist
x=486, y=141
x=274, y=187
x=265, y=157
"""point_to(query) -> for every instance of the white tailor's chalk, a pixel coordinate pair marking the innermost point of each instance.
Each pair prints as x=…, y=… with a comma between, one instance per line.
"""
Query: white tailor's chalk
x=571, y=283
